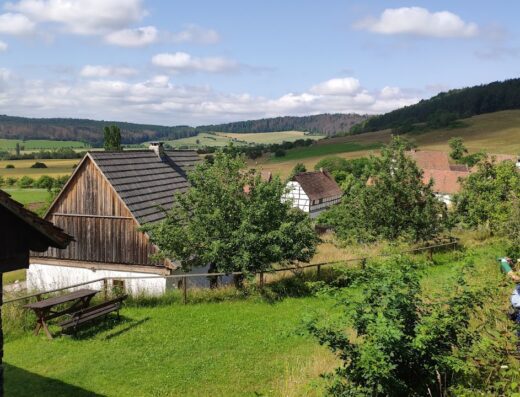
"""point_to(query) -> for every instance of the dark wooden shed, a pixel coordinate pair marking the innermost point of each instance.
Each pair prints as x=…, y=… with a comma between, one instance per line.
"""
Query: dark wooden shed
x=22, y=231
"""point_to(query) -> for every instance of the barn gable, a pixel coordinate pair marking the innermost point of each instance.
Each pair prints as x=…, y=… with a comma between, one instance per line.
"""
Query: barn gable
x=109, y=196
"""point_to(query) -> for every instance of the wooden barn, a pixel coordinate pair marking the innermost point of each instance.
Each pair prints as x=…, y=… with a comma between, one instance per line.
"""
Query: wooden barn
x=313, y=192
x=105, y=202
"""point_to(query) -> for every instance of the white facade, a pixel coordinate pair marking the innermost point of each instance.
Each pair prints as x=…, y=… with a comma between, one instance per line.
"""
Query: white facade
x=297, y=196
x=301, y=200
x=44, y=277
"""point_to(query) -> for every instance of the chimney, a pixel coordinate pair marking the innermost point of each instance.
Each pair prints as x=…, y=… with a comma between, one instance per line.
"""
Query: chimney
x=158, y=148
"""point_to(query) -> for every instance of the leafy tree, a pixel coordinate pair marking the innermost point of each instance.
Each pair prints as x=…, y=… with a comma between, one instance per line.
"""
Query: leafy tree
x=39, y=164
x=10, y=181
x=17, y=149
x=401, y=346
x=112, y=138
x=298, y=168
x=44, y=182
x=216, y=223
x=9, y=166
x=279, y=153
x=458, y=150
x=341, y=169
x=485, y=198
x=394, y=204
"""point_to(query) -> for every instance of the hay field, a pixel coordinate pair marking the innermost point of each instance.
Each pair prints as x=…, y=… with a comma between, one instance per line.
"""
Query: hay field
x=270, y=137
x=23, y=167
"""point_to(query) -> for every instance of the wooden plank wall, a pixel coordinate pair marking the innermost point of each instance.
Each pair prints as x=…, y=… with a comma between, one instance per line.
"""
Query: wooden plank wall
x=102, y=226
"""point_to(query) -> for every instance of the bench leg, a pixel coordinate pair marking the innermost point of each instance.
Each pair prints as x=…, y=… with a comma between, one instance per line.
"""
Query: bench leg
x=49, y=335
x=38, y=327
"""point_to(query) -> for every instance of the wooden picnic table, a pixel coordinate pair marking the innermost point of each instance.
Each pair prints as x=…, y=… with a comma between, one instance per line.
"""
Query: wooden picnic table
x=44, y=309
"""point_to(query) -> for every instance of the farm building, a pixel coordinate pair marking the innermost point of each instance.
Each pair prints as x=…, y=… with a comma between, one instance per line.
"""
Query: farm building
x=313, y=192
x=105, y=202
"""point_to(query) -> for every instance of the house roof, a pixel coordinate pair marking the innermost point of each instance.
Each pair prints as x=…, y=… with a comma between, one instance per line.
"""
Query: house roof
x=52, y=235
x=318, y=184
x=146, y=182
x=430, y=160
x=444, y=181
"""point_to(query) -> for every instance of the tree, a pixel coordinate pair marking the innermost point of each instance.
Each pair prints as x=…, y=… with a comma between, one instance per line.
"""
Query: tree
x=401, y=346
x=216, y=223
x=298, y=168
x=39, y=164
x=458, y=150
x=17, y=149
x=112, y=138
x=395, y=203
x=45, y=182
x=25, y=182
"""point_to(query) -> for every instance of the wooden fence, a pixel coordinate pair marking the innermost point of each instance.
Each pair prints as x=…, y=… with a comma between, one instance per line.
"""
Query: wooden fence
x=452, y=243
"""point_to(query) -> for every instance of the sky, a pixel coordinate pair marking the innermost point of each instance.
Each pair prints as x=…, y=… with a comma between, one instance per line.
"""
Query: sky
x=202, y=62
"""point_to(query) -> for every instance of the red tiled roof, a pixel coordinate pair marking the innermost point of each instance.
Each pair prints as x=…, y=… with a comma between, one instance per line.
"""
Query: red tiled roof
x=318, y=184
x=444, y=181
x=430, y=160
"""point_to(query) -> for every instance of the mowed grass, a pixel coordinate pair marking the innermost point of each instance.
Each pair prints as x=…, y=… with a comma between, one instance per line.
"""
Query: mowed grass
x=243, y=346
x=38, y=144
x=235, y=348
x=23, y=167
x=28, y=196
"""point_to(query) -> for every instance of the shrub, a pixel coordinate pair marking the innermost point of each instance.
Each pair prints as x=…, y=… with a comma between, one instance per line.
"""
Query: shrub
x=10, y=181
x=25, y=182
x=279, y=153
x=39, y=165
x=400, y=345
x=44, y=182
x=9, y=166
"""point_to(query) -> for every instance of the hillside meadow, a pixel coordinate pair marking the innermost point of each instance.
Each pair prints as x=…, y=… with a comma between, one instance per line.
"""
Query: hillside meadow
x=227, y=343
x=31, y=145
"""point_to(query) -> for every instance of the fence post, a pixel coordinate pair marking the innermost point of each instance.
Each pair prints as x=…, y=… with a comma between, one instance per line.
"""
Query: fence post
x=105, y=289
x=261, y=275
x=430, y=254
x=318, y=270
x=363, y=263
x=185, y=289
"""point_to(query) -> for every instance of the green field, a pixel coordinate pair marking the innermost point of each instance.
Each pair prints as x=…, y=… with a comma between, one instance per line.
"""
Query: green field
x=219, y=139
x=28, y=196
x=39, y=144
x=493, y=132
x=238, y=346
x=23, y=167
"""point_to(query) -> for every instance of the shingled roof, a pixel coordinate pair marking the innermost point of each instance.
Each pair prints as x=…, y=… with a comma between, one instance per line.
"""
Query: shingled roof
x=430, y=160
x=144, y=181
x=318, y=185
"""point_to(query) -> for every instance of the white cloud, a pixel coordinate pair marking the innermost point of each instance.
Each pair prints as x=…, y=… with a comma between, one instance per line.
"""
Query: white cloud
x=138, y=37
x=3, y=46
x=106, y=71
x=341, y=86
x=195, y=34
x=420, y=22
x=184, y=62
x=158, y=100
x=15, y=24
x=83, y=16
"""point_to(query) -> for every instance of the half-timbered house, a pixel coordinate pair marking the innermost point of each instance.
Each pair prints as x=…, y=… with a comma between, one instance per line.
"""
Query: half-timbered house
x=313, y=192
x=107, y=199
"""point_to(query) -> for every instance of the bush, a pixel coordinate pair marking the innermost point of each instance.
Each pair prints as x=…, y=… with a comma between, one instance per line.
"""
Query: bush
x=44, y=182
x=39, y=165
x=401, y=345
x=25, y=182
x=9, y=166
x=279, y=153
x=10, y=181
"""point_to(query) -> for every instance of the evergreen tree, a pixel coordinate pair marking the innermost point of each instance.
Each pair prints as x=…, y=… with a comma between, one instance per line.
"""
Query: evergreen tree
x=112, y=135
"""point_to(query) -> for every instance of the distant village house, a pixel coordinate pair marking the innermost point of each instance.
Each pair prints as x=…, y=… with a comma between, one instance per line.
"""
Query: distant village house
x=313, y=192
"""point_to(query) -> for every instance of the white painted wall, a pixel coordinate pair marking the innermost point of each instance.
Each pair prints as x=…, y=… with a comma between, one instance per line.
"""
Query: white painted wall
x=445, y=198
x=297, y=196
x=43, y=277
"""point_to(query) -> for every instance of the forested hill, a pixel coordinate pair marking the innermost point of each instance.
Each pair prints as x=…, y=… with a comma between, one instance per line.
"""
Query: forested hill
x=90, y=131
x=454, y=104
x=327, y=124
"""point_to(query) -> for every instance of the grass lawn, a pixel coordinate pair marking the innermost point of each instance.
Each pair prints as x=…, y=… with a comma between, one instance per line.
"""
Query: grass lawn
x=28, y=196
x=37, y=144
x=11, y=277
x=235, y=348
x=23, y=167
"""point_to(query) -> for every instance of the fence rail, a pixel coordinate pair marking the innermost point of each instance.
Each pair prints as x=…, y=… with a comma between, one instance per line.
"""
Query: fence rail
x=184, y=277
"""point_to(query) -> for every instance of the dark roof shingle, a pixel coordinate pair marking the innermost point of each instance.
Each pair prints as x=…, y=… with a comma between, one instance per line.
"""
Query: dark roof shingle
x=318, y=184
x=146, y=182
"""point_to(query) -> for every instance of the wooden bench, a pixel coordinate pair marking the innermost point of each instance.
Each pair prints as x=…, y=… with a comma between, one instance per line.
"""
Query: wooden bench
x=91, y=313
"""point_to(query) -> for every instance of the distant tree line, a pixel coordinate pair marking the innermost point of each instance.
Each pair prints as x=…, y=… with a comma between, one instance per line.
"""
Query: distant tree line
x=443, y=109
x=61, y=153
x=327, y=124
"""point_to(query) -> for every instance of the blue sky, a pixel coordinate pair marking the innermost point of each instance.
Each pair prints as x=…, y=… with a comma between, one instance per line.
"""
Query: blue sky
x=203, y=62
